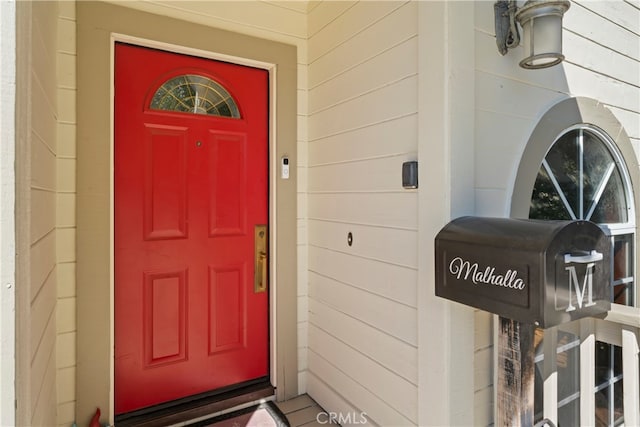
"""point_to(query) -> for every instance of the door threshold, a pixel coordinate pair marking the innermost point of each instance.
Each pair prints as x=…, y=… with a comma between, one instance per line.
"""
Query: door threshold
x=189, y=410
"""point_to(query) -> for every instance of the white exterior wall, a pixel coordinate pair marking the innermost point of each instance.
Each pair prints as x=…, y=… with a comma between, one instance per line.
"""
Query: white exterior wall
x=362, y=125
x=7, y=211
x=602, y=49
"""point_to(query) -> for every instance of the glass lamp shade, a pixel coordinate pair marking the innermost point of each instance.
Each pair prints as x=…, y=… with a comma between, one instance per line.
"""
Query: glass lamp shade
x=541, y=23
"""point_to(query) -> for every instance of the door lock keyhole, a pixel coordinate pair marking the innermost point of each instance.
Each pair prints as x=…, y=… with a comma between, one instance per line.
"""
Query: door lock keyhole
x=198, y=143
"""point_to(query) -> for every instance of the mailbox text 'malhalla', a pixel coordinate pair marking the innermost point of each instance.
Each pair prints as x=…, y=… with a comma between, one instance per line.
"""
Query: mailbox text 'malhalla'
x=463, y=269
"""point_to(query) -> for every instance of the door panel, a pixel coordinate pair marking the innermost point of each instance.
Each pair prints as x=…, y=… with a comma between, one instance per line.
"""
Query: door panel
x=189, y=190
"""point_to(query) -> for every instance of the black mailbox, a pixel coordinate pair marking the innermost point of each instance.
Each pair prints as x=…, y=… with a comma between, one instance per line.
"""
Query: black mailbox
x=539, y=272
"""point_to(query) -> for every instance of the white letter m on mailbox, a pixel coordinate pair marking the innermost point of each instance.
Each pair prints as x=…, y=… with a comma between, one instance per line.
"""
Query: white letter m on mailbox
x=587, y=283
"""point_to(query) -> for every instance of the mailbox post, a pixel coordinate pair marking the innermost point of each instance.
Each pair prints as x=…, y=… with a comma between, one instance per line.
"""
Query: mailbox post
x=532, y=273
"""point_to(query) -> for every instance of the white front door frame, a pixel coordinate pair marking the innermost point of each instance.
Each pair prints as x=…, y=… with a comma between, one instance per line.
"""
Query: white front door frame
x=99, y=24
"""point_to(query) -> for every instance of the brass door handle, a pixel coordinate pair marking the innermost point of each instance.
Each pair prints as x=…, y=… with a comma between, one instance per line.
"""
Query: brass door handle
x=261, y=265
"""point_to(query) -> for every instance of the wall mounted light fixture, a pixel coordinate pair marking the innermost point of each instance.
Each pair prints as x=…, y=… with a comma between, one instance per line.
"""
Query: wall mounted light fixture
x=541, y=22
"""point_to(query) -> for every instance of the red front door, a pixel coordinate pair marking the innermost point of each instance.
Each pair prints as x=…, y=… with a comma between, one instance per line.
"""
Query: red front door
x=190, y=187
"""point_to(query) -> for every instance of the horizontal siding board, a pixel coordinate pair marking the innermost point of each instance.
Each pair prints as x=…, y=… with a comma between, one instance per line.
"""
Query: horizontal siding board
x=602, y=88
x=489, y=61
x=629, y=119
x=386, y=350
x=66, y=70
x=325, y=379
x=380, y=209
x=300, y=7
x=352, y=21
x=390, y=281
x=66, y=350
x=499, y=143
x=66, y=411
x=388, y=138
x=379, y=174
x=601, y=59
x=622, y=13
x=320, y=386
x=395, y=246
x=483, y=368
x=261, y=15
x=389, y=316
x=484, y=20
x=584, y=22
x=398, y=393
x=396, y=100
x=66, y=315
x=483, y=407
x=389, y=66
x=492, y=202
x=483, y=329
x=497, y=94
x=398, y=26
x=326, y=12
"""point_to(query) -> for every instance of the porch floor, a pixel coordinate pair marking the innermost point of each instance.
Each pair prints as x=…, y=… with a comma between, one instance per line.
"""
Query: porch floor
x=302, y=411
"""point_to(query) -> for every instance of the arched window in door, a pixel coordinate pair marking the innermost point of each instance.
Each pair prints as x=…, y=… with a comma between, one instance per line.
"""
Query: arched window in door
x=584, y=177
x=195, y=94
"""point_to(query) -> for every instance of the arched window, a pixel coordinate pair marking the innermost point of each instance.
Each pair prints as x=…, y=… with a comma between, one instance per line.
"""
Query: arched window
x=190, y=93
x=583, y=177
x=580, y=173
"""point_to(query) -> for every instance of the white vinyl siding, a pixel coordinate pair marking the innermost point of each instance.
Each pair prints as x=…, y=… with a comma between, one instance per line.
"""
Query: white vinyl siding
x=362, y=126
x=602, y=49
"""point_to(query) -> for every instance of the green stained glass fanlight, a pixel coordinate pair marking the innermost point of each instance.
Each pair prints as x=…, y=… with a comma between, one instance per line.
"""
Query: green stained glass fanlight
x=190, y=93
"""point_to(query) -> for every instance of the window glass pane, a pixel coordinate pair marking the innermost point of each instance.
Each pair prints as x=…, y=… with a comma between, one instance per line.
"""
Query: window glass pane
x=569, y=414
x=612, y=206
x=617, y=360
x=602, y=407
x=563, y=161
x=622, y=294
x=194, y=94
x=623, y=269
x=609, y=384
x=604, y=370
x=618, y=406
x=597, y=166
x=568, y=363
x=545, y=200
x=623, y=257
